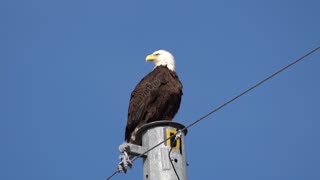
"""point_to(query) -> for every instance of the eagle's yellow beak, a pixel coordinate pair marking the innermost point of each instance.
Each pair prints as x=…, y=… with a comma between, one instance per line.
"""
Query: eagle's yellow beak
x=151, y=57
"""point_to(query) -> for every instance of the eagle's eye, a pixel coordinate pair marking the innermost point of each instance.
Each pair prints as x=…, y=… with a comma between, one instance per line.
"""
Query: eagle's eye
x=157, y=54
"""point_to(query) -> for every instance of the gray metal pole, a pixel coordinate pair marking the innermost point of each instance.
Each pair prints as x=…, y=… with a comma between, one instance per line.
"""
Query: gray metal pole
x=156, y=165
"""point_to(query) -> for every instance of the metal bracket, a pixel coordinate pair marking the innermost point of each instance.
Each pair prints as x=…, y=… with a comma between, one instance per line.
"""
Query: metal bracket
x=136, y=150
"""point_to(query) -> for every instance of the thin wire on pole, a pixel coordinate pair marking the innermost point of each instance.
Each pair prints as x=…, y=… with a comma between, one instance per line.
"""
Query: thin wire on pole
x=169, y=155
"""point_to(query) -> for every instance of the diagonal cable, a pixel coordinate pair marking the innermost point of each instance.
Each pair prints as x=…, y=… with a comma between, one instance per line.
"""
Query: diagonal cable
x=228, y=102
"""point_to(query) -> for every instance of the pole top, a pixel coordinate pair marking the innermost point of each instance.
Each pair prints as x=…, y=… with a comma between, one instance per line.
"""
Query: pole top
x=143, y=128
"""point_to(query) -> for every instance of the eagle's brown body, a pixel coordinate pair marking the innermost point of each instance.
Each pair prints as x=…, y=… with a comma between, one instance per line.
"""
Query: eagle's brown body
x=156, y=97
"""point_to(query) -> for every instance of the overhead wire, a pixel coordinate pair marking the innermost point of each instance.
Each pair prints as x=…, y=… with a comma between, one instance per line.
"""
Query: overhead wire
x=252, y=87
x=113, y=174
x=226, y=103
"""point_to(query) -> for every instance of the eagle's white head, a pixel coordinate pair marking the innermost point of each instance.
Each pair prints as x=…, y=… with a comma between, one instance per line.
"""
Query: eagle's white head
x=162, y=57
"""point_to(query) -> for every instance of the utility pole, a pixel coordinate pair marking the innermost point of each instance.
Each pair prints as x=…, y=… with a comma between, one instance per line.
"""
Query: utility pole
x=156, y=163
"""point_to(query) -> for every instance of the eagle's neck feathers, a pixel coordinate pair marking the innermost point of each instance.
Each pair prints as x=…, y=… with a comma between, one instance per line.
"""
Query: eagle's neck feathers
x=167, y=62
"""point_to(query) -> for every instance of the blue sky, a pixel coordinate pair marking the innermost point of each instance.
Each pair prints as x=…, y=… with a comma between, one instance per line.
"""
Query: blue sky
x=67, y=69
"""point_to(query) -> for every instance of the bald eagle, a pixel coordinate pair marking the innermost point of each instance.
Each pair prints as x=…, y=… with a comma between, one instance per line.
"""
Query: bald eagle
x=156, y=97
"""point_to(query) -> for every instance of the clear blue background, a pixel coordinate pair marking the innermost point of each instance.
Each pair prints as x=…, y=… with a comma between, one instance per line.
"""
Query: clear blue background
x=67, y=69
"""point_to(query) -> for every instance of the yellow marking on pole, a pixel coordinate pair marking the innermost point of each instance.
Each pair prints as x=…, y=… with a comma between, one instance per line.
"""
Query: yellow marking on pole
x=169, y=133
